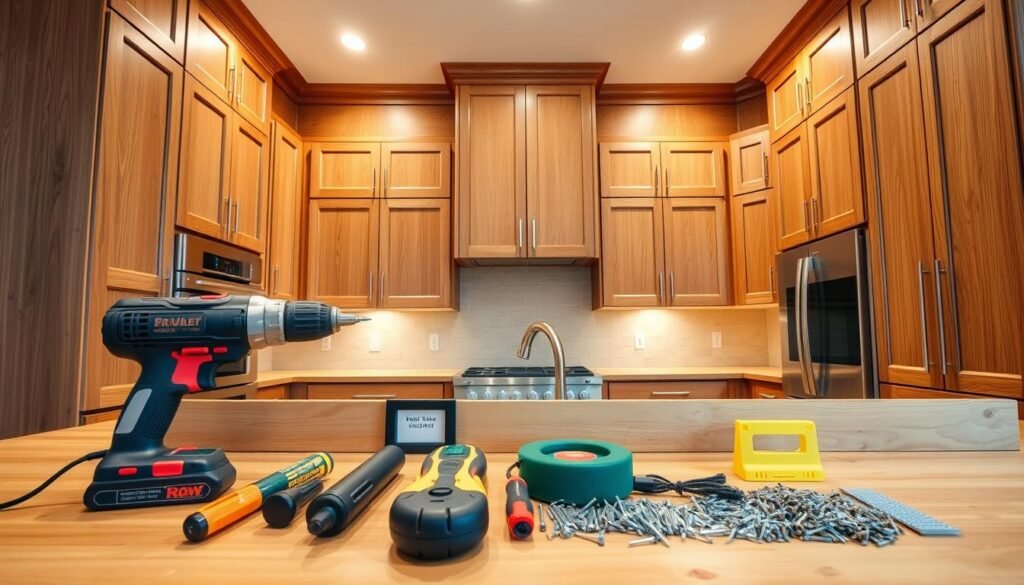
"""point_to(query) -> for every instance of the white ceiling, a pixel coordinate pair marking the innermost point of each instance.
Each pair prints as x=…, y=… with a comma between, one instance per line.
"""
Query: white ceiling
x=407, y=39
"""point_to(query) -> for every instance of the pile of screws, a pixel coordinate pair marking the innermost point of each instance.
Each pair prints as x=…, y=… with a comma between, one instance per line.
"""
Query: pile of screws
x=770, y=514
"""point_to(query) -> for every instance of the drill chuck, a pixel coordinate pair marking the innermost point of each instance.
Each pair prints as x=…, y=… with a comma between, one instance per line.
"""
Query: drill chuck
x=275, y=322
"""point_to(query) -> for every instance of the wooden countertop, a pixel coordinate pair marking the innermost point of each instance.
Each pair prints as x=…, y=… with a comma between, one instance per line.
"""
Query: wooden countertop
x=52, y=539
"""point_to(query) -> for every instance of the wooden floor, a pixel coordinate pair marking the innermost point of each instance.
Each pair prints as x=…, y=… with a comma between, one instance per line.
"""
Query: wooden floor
x=54, y=540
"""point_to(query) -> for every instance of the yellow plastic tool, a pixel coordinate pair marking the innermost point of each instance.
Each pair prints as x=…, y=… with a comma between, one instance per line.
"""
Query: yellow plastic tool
x=803, y=464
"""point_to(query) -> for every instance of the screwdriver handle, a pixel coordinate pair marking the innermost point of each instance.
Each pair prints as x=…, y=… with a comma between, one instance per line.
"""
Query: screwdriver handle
x=518, y=509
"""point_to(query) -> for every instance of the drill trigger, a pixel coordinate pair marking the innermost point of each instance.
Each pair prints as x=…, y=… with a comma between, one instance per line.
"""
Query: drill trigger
x=186, y=369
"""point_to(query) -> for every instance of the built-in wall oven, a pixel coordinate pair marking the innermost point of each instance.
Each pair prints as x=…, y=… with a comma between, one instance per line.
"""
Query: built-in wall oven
x=825, y=319
x=205, y=267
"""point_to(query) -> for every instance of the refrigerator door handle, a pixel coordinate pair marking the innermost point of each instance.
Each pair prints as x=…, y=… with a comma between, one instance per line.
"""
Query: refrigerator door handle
x=802, y=328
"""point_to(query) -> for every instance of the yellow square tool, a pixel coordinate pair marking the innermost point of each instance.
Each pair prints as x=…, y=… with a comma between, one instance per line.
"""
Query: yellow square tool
x=803, y=464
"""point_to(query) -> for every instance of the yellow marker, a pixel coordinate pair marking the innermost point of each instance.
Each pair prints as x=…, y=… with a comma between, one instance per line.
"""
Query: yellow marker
x=804, y=464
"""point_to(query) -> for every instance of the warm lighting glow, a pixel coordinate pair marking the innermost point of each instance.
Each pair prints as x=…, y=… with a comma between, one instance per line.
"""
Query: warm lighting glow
x=353, y=42
x=694, y=42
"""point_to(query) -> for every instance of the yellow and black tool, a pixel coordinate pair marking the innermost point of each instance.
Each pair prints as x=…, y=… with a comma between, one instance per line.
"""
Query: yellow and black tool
x=444, y=512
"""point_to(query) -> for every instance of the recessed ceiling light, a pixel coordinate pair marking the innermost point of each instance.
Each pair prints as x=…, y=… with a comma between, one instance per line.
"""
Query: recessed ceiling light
x=694, y=42
x=353, y=42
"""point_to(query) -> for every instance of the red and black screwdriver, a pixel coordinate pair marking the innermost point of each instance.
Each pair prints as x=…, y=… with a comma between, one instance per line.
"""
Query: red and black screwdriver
x=518, y=507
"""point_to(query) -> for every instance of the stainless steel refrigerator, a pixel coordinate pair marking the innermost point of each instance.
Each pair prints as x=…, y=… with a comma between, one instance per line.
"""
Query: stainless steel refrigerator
x=825, y=317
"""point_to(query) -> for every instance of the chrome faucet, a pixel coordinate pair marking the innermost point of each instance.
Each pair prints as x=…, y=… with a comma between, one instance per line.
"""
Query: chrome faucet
x=556, y=349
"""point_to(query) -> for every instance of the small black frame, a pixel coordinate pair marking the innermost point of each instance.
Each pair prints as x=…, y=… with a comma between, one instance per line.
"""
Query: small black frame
x=394, y=407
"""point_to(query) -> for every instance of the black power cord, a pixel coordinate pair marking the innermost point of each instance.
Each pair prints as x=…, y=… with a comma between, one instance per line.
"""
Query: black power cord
x=705, y=486
x=53, y=478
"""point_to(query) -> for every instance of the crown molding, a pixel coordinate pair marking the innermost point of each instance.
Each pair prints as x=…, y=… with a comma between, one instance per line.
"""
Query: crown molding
x=679, y=93
x=806, y=23
x=375, y=94
x=524, y=73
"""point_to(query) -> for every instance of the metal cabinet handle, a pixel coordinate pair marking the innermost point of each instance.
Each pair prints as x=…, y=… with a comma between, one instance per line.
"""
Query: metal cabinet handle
x=277, y=278
x=904, y=17
x=237, y=213
x=924, y=322
x=800, y=97
x=373, y=179
x=661, y=287
x=534, y=240
x=385, y=181
x=771, y=279
x=671, y=287
x=239, y=86
x=668, y=186
x=670, y=393
x=370, y=296
x=657, y=173
x=764, y=167
x=231, y=82
x=814, y=214
x=382, y=287
x=519, y=238
x=920, y=8
x=942, y=320
x=766, y=396
x=226, y=224
x=804, y=208
x=807, y=93
x=373, y=396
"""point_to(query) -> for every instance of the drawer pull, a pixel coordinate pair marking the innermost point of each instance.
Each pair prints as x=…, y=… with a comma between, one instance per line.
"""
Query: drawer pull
x=672, y=393
x=766, y=396
x=373, y=396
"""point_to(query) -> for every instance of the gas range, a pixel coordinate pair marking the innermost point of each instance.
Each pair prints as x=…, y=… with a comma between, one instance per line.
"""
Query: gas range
x=525, y=383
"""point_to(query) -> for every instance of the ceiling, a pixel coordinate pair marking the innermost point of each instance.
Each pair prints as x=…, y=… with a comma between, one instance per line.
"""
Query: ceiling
x=407, y=39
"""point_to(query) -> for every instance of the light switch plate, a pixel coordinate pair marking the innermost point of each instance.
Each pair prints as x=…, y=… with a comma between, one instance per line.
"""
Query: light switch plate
x=435, y=342
x=639, y=340
x=325, y=343
x=716, y=340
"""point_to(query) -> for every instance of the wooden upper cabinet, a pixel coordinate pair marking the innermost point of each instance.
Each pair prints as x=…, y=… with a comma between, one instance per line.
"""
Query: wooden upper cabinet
x=828, y=63
x=206, y=134
x=786, y=101
x=415, y=254
x=250, y=160
x=162, y=21
x=560, y=153
x=837, y=199
x=748, y=154
x=344, y=169
x=416, y=169
x=693, y=169
x=492, y=171
x=753, y=248
x=928, y=12
x=342, y=254
x=630, y=169
x=880, y=28
x=977, y=213
x=632, y=252
x=210, y=55
x=899, y=206
x=286, y=214
x=696, y=252
x=252, y=94
x=790, y=166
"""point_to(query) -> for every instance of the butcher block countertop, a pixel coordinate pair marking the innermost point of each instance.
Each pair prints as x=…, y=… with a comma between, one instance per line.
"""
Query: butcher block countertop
x=52, y=539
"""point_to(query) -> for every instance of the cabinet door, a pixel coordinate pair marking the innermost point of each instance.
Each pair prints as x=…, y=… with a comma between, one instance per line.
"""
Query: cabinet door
x=899, y=208
x=930, y=11
x=250, y=161
x=748, y=154
x=632, y=252
x=792, y=177
x=880, y=28
x=560, y=158
x=828, y=63
x=285, y=217
x=210, y=55
x=630, y=169
x=696, y=252
x=162, y=21
x=786, y=101
x=205, y=162
x=837, y=199
x=252, y=96
x=977, y=208
x=417, y=169
x=753, y=246
x=133, y=222
x=415, y=254
x=344, y=169
x=694, y=169
x=343, y=252
x=491, y=196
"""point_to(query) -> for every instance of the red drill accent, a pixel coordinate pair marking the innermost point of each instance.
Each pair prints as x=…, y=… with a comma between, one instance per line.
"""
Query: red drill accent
x=186, y=372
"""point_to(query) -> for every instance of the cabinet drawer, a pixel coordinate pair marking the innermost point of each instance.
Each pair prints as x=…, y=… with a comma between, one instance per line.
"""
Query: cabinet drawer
x=374, y=391
x=279, y=392
x=667, y=390
x=765, y=390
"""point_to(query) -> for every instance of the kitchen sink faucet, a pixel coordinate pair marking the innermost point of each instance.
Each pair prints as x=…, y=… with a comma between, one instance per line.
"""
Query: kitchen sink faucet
x=556, y=350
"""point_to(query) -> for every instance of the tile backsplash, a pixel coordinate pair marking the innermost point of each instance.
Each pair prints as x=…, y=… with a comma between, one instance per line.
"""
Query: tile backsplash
x=497, y=303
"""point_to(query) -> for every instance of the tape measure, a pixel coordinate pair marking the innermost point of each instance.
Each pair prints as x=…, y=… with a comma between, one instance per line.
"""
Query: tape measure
x=576, y=470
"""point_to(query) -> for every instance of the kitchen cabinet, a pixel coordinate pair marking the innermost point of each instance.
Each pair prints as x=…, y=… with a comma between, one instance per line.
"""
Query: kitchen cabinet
x=252, y=94
x=162, y=21
x=344, y=169
x=416, y=169
x=786, y=103
x=526, y=172
x=286, y=213
x=663, y=169
x=882, y=27
x=394, y=170
x=683, y=390
x=748, y=160
x=375, y=391
x=415, y=254
x=250, y=170
x=630, y=169
x=131, y=240
x=632, y=252
x=342, y=252
x=696, y=252
x=694, y=169
x=753, y=248
x=789, y=164
x=765, y=390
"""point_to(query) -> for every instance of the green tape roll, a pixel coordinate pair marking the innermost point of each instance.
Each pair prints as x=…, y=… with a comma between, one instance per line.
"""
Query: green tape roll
x=576, y=470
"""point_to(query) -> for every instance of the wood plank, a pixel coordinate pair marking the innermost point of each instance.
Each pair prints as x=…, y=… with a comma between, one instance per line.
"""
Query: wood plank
x=665, y=122
x=376, y=122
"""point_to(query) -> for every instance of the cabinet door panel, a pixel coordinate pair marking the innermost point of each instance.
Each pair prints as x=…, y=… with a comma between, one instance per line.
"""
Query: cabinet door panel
x=977, y=205
x=491, y=197
x=205, y=161
x=415, y=255
x=749, y=161
x=696, y=252
x=792, y=177
x=828, y=63
x=630, y=169
x=899, y=205
x=753, y=248
x=632, y=252
x=786, y=101
x=162, y=21
x=880, y=28
x=837, y=199
x=694, y=169
x=210, y=52
x=286, y=201
x=930, y=11
x=344, y=169
x=415, y=169
x=250, y=158
x=252, y=96
x=343, y=251
x=560, y=171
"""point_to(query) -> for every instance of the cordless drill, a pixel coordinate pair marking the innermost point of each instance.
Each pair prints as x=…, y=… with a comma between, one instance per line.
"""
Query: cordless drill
x=180, y=343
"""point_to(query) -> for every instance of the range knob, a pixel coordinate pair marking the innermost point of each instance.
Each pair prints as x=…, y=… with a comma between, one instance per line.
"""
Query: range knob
x=502, y=395
x=472, y=395
x=532, y=395
x=570, y=395
x=584, y=395
x=488, y=395
x=549, y=395
x=517, y=395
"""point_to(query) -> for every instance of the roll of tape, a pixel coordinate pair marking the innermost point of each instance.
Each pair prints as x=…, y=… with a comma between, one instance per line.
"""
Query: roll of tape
x=576, y=470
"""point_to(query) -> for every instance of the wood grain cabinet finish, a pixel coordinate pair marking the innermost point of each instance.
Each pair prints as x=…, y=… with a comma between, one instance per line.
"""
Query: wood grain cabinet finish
x=693, y=169
x=786, y=102
x=344, y=169
x=828, y=63
x=789, y=164
x=748, y=160
x=211, y=52
x=880, y=28
x=286, y=213
x=833, y=138
x=753, y=248
x=248, y=188
x=252, y=94
x=696, y=390
x=136, y=175
x=416, y=169
x=415, y=254
x=765, y=390
x=375, y=391
x=162, y=21
x=632, y=255
x=696, y=252
x=342, y=256
x=206, y=134
x=630, y=169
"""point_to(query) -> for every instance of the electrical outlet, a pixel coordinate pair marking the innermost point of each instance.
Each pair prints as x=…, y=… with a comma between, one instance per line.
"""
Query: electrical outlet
x=325, y=343
x=639, y=340
x=435, y=342
x=374, y=342
x=716, y=340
